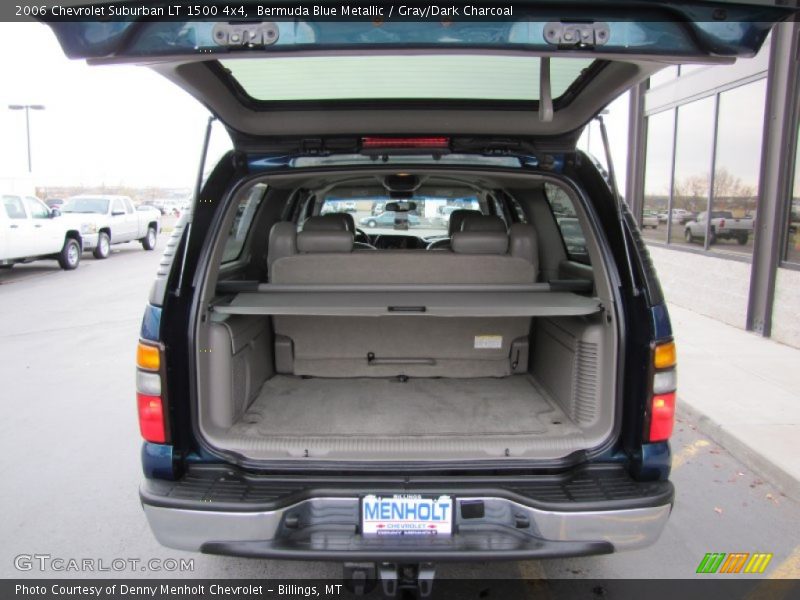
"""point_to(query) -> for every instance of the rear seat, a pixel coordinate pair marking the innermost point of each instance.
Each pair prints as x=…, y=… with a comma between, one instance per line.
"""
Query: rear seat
x=483, y=252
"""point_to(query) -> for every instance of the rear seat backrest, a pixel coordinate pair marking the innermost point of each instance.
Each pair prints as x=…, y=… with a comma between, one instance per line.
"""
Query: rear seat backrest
x=421, y=346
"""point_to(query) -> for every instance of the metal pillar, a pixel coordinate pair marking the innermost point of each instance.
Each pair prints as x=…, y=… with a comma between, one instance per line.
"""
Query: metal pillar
x=774, y=188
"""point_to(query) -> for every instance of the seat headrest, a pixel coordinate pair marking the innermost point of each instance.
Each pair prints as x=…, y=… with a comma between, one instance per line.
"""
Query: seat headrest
x=479, y=242
x=457, y=219
x=324, y=241
x=282, y=242
x=331, y=222
x=484, y=223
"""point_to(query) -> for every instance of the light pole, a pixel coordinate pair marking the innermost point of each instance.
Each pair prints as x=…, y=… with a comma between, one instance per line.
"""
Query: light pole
x=27, y=108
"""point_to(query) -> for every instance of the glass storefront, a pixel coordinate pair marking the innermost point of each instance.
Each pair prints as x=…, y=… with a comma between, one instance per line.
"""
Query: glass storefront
x=737, y=166
x=679, y=188
x=792, y=254
x=658, y=175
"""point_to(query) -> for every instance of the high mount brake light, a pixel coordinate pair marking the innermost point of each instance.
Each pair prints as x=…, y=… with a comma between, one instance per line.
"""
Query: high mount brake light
x=373, y=143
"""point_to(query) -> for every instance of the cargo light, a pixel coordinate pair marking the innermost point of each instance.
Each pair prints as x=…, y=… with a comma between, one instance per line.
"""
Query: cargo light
x=405, y=142
x=149, y=398
x=661, y=412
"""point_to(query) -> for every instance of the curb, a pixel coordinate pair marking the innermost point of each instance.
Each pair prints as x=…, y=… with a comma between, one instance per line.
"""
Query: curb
x=742, y=451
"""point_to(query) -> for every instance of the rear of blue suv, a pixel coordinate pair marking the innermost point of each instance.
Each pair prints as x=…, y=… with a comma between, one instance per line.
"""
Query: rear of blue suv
x=499, y=384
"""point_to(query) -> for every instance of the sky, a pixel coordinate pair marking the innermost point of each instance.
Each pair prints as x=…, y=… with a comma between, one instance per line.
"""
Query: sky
x=122, y=125
x=118, y=125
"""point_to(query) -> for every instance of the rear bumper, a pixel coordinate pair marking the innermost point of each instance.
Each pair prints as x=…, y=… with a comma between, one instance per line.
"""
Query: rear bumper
x=323, y=523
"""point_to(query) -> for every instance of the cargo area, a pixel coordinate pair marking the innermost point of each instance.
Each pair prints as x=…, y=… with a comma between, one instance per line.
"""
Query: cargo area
x=489, y=340
x=512, y=402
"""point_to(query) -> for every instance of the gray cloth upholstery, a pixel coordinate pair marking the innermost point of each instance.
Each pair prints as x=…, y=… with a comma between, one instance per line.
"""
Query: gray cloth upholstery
x=484, y=223
x=457, y=219
x=331, y=222
x=402, y=266
x=309, y=242
x=479, y=242
x=282, y=242
x=523, y=243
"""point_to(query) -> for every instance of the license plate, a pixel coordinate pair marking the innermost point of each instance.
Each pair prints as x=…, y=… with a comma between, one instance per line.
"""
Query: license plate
x=406, y=515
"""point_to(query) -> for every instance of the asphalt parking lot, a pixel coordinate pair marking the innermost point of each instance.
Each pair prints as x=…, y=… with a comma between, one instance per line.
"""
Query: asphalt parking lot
x=70, y=450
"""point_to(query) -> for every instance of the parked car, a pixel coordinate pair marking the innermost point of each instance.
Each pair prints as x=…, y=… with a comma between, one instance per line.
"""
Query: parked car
x=54, y=203
x=650, y=219
x=723, y=226
x=113, y=221
x=679, y=215
x=500, y=400
x=29, y=231
x=387, y=219
x=349, y=206
x=153, y=205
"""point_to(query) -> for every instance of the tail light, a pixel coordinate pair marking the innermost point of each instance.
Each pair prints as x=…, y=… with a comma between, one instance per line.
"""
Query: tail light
x=661, y=409
x=149, y=398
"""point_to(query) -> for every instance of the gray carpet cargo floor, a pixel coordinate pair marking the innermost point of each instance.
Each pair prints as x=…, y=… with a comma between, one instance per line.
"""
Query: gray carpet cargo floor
x=420, y=419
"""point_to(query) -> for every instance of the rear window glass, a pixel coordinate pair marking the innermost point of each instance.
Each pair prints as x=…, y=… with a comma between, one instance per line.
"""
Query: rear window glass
x=245, y=211
x=429, y=214
x=428, y=77
x=568, y=224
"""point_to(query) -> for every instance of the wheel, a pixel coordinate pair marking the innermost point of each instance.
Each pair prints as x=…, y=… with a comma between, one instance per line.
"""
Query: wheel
x=712, y=237
x=688, y=235
x=149, y=241
x=103, y=246
x=70, y=256
x=8, y=267
x=742, y=239
x=372, y=223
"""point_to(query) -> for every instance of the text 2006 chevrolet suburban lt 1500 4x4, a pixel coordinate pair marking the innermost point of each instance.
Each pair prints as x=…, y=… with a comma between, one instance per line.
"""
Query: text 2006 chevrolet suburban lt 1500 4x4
x=311, y=390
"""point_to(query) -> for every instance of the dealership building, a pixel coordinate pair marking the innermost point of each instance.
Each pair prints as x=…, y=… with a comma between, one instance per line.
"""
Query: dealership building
x=723, y=140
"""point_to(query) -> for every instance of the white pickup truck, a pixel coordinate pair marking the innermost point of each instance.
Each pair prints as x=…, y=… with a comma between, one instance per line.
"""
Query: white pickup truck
x=114, y=220
x=723, y=226
x=30, y=231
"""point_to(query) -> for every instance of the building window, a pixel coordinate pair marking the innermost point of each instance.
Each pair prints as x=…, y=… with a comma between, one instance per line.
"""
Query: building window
x=658, y=175
x=737, y=165
x=793, y=237
x=694, y=142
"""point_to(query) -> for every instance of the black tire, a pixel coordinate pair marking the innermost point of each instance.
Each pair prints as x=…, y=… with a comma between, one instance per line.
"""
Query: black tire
x=688, y=235
x=372, y=223
x=70, y=256
x=149, y=240
x=712, y=238
x=103, y=249
x=742, y=239
x=7, y=267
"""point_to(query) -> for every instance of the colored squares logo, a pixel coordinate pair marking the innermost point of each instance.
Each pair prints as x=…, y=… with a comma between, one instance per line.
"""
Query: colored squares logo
x=735, y=562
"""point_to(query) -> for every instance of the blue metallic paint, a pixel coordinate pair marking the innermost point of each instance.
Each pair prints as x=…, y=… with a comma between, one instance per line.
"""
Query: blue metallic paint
x=157, y=461
x=151, y=323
